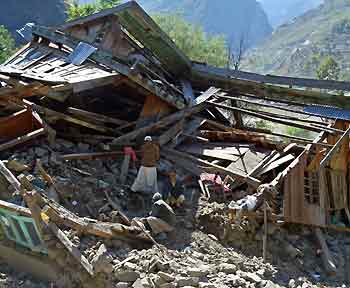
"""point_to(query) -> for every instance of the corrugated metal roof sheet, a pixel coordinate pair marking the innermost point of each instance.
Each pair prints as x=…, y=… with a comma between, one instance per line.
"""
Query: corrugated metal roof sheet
x=328, y=111
x=81, y=53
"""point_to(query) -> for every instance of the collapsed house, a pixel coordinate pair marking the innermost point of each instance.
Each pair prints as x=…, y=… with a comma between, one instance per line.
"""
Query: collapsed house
x=110, y=79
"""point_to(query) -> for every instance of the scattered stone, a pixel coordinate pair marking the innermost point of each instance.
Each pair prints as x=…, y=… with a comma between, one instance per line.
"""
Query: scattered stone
x=227, y=268
x=187, y=281
x=167, y=277
x=102, y=261
x=127, y=276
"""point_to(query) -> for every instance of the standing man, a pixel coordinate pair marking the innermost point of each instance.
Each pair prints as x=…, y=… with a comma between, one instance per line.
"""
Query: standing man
x=146, y=180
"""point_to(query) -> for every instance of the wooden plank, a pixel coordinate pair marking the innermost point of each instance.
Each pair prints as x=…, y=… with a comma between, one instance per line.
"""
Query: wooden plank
x=206, y=95
x=10, y=177
x=59, y=115
x=22, y=139
x=335, y=149
x=73, y=250
x=95, y=116
x=15, y=208
x=272, y=119
x=277, y=163
x=256, y=171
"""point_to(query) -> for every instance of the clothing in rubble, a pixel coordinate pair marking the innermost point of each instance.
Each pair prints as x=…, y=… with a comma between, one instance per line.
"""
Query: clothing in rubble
x=146, y=180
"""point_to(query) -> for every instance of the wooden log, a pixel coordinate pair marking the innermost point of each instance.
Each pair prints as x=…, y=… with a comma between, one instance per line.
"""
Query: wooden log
x=95, y=116
x=22, y=139
x=272, y=119
x=73, y=250
x=335, y=149
x=326, y=256
x=207, y=166
x=166, y=121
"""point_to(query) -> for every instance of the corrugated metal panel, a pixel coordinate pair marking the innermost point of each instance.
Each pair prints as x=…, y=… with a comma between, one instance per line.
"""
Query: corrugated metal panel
x=328, y=111
x=81, y=53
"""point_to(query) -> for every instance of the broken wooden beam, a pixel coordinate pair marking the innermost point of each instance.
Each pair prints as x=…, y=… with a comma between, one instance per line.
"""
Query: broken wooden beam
x=62, y=116
x=166, y=121
x=272, y=119
x=334, y=149
x=22, y=139
x=95, y=116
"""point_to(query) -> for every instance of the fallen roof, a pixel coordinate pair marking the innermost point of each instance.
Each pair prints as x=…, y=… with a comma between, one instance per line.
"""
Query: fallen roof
x=141, y=26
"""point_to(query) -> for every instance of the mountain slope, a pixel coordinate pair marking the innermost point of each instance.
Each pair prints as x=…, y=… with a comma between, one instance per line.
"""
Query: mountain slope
x=235, y=19
x=296, y=49
x=14, y=14
x=281, y=12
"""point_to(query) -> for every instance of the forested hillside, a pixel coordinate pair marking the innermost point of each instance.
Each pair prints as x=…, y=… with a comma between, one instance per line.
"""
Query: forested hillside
x=299, y=48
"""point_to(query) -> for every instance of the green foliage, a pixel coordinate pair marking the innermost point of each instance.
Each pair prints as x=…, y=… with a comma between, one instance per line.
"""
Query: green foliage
x=297, y=132
x=7, y=44
x=193, y=41
x=76, y=10
x=328, y=69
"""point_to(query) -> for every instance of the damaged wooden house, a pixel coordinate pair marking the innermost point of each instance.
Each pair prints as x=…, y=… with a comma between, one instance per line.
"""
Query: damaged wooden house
x=110, y=79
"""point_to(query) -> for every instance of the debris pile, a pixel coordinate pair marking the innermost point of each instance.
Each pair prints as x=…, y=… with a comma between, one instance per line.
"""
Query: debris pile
x=123, y=166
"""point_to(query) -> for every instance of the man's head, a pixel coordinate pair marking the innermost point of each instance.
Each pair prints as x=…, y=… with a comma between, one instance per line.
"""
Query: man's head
x=148, y=139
